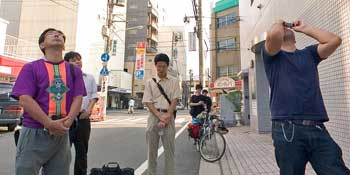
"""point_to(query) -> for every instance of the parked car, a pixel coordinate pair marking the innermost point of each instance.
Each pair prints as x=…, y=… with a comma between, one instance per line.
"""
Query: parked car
x=10, y=111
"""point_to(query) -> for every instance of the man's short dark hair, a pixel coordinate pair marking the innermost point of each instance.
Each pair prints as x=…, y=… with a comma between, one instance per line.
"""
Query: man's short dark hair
x=199, y=86
x=161, y=57
x=204, y=91
x=71, y=55
x=43, y=35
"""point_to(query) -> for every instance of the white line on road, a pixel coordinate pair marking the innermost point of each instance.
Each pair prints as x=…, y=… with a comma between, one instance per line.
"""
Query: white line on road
x=141, y=169
x=179, y=120
x=134, y=120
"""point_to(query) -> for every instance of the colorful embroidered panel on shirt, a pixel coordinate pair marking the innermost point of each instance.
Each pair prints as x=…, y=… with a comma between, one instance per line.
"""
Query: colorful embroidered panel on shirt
x=57, y=88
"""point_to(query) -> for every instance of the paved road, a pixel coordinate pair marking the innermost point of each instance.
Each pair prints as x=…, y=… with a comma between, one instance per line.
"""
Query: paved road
x=120, y=138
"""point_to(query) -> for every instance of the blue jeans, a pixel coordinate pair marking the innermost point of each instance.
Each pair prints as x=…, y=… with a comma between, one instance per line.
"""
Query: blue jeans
x=296, y=145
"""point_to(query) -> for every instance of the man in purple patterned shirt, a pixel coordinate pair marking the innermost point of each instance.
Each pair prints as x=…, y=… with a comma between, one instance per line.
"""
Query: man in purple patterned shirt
x=50, y=90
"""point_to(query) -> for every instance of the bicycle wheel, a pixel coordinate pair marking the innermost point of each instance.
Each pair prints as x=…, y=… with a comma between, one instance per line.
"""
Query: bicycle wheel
x=212, y=146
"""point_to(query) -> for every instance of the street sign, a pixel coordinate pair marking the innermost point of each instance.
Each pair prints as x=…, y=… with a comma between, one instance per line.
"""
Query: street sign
x=104, y=71
x=105, y=57
x=140, y=74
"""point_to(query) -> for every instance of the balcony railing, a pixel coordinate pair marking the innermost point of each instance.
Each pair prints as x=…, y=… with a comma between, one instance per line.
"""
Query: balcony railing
x=21, y=49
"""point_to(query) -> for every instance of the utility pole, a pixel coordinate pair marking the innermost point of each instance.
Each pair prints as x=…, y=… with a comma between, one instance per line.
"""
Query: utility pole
x=105, y=56
x=191, y=79
x=200, y=40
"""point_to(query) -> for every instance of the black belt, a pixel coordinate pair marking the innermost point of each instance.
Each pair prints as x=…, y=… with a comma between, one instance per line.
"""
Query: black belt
x=302, y=122
x=162, y=110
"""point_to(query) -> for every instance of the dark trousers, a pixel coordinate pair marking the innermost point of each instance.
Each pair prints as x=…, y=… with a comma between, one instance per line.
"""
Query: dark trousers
x=296, y=145
x=79, y=135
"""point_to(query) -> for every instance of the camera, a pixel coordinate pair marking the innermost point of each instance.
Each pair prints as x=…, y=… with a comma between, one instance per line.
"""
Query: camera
x=288, y=25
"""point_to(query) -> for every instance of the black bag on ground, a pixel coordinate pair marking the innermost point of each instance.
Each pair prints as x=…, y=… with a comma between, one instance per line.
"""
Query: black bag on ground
x=111, y=168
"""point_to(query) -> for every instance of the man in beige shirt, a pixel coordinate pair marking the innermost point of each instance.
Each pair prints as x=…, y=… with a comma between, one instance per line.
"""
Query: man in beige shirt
x=161, y=123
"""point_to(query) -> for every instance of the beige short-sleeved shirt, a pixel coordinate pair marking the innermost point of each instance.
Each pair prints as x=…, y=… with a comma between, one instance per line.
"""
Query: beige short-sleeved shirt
x=153, y=95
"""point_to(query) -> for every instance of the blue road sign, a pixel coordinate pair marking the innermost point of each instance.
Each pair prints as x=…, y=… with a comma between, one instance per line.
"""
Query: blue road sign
x=104, y=71
x=105, y=57
x=140, y=74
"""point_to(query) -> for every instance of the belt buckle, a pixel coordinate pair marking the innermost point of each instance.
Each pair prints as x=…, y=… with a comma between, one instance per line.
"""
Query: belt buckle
x=307, y=122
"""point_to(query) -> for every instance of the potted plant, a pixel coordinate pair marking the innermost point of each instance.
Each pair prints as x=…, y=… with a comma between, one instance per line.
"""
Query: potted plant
x=235, y=97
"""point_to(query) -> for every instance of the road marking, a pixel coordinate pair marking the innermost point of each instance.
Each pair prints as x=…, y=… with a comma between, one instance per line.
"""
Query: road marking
x=135, y=120
x=179, y=120
x=143, y=167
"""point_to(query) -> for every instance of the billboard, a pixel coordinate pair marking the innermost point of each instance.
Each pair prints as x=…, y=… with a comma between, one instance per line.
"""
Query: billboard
x=140, y=60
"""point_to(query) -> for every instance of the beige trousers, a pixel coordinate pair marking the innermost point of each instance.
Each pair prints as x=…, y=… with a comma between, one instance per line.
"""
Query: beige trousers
x=168, y=141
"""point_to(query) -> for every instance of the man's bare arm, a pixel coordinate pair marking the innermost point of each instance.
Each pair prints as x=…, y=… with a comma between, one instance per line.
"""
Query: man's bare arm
x=56, y=127
x=274, y=38
x=74, y=110
x=329, y=42
x=153, y=109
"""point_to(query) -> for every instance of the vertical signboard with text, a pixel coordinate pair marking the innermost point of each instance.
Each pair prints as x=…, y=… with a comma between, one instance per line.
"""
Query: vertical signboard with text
x=140, y=60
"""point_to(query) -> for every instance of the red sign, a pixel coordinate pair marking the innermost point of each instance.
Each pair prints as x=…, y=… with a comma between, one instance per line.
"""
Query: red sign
x=11, y=66
x=141, y=45
x=238, y=84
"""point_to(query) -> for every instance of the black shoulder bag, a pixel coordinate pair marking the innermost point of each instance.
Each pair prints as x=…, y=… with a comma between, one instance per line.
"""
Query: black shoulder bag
x=164, y=94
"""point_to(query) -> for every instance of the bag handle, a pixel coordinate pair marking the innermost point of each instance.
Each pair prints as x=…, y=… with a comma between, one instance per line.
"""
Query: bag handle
x=114, y=165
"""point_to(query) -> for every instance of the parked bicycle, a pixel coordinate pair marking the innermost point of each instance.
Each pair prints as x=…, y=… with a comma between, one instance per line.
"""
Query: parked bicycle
x=211, y=143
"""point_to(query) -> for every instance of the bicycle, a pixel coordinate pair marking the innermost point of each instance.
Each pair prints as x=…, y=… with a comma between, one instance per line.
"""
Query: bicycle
x=211, y=143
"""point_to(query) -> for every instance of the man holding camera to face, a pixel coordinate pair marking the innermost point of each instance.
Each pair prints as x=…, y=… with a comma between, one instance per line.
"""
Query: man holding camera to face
x=297, y=108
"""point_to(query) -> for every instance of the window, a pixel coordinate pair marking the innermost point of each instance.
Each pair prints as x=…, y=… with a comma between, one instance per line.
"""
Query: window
x=231, y=18
x=133, y=6
x=226, y=44
x=223, y=21
x=222, y=71
x=131, y=52
x=114, y=48
x=228, y=71
x=230, y=44
x=132, y=32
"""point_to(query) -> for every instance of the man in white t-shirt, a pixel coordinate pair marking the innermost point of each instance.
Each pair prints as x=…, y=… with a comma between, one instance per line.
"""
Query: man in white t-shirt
x=131, y=106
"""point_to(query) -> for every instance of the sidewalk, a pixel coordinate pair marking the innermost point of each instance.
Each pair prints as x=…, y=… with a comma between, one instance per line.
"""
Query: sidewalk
x=247, y=153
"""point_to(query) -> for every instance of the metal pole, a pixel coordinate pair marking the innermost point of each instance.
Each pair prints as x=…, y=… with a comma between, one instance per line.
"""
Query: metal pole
x=200, y=40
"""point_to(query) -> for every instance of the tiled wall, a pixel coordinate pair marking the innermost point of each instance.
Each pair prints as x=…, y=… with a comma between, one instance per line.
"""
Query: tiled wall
x=332, y=15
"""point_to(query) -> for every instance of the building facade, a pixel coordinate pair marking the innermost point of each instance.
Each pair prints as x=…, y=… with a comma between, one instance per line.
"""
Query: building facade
x=27, y=19
x=172, y=43
x=141, y=13
x=225, y=55
x=257, y=18
x=225, y=48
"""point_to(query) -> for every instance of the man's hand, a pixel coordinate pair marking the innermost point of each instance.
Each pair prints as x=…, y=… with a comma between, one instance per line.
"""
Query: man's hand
x=161, y=124
x=301, y=26
x=201, y=103
x=166, y=117
x=58, y=127
x=68, y=122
